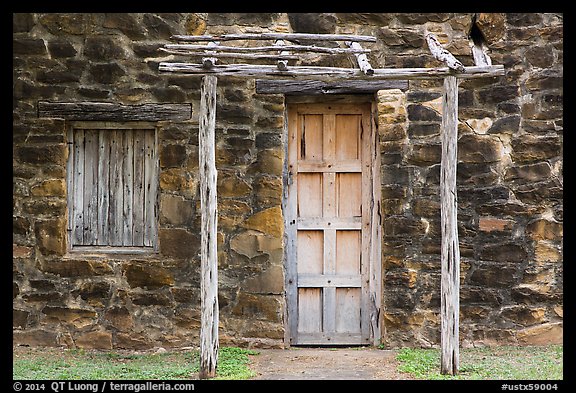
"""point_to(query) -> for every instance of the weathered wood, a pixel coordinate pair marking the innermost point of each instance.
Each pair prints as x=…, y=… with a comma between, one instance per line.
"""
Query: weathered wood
x=208, y=249
x=327, y=155
x=275, y=36
x=450, y=253
x=209, y=62
x=361, y=58
x=442, y=54
x=282, y=64
x=319, y=73
x=113, y=187
x=268, y=48
x=106, y=111
x=289, y=200
x=373, y=244
x=314, y=87
x=480, y=55
x=223, y=55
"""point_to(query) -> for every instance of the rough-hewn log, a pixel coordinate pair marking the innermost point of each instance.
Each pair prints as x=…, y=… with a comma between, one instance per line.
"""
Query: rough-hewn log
x=480, y=56
x=442, y=54
x=282, y=64
x=319, y=73
x=363, y=62
x=275, y=36
x=287, y=86
x=208, y=249
x=106, y=111
x=269, y=48
x=450, y=252
x=223, y=55
x=209, y=62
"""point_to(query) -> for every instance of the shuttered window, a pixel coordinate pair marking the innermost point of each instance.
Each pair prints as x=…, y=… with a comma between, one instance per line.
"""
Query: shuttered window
x=112, y=189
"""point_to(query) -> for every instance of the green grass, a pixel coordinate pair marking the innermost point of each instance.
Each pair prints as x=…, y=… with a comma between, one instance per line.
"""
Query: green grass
x=506, y=362
x=89, y=365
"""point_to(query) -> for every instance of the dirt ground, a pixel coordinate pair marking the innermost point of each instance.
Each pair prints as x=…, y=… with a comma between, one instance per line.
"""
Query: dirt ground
x=326, y=364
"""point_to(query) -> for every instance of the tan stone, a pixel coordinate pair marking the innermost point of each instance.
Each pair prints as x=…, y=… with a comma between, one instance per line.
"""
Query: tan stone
x=51, y=187
x=546, y=252
x=271, y=281
x=148, y=275
x=79, y=318
x=35, y=338
x=21, y=251
x=270, y=161
x=176, y=179
x=94, y=340
x=267, y=221
x=195, y=24
x=524, y=315
x=75, y=268
x=176, y=210
x=542, y=229
x=548, y=333
x=50, y=236
x=230, y=185
x=259, y=307
x=479, y=126
x=559, y=310
x=492, y=26
x=490, y=224
x=120, y=318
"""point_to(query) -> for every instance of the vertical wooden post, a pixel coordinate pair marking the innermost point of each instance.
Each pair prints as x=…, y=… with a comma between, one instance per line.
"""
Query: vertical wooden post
x=450, y=253
x=209, y=259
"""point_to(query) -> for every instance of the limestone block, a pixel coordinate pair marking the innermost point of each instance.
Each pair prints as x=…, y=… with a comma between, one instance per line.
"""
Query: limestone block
x=267, y=221
x=50, y=236
x=542, y=229
x=50, y=187
x=148, y=275
x=75, y=317
x=94, y=340
x=176, y=210
x=119, y=318
x=548, y=333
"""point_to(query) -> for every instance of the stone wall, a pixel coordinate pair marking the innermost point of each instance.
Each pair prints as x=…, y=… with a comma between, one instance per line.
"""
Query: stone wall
x=510, y=183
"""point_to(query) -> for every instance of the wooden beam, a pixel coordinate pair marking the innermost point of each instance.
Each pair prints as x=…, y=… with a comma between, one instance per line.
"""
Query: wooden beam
x=361, y=58
x=275, y=36
x=208, y=250
x=314, y=87
x=209, y=62
x=282, y=64
x=450, y=252
x=442, y=54
x=107, y=111
x=320, y=73
x=480, y=55
x=268, y=48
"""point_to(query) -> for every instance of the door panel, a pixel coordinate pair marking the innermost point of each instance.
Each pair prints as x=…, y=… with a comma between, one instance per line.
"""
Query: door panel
x=328, y=149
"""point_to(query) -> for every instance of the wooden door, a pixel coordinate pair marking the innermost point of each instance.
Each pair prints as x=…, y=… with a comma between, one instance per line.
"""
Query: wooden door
x=329, y=223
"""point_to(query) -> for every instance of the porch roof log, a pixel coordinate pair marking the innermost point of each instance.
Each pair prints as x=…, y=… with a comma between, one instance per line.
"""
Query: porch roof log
x=275, y=36
x=318, y=73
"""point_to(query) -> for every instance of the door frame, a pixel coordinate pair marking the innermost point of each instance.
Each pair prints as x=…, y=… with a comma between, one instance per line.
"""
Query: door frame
x=371, y=244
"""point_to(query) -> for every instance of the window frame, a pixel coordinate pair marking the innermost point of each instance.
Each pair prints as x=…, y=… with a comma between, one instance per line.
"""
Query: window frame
x=107, y=249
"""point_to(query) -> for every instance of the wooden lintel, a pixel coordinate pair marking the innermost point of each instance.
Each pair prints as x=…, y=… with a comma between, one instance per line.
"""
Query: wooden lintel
x=107, y=111
x=315, y=87
x=317, y=73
